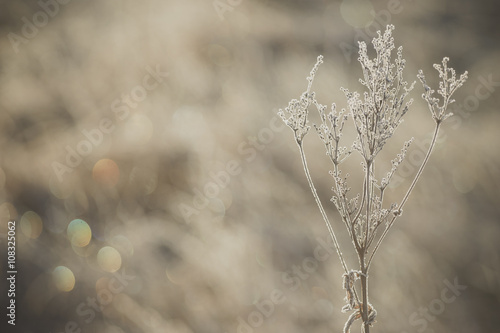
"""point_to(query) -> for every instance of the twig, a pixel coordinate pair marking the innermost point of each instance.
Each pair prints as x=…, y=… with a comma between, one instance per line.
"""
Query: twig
x=320, y=206
x=410, y=189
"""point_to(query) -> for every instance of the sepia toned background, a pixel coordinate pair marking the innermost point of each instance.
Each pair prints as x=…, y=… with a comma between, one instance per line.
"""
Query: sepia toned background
x=119, y=118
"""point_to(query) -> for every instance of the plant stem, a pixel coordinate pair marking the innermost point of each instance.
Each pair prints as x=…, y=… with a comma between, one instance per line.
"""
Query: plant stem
x=347, y=219
x=368, y=202
x=421, y=169
x=364, y=271
x=410, y=189
x=320, y=206
x=364, y=291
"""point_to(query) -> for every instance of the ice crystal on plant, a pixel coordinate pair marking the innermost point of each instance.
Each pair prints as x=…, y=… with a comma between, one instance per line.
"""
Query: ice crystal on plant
x=447, y=86
x=375, y=114
x=297, y=110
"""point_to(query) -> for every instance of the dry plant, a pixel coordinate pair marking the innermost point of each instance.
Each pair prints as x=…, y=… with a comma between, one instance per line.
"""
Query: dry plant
x=376, y=116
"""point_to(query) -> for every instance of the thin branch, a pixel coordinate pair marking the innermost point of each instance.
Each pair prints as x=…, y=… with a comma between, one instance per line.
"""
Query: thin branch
x=410, y=189
x=368, y=203
x=347, y=220
x=320, y=206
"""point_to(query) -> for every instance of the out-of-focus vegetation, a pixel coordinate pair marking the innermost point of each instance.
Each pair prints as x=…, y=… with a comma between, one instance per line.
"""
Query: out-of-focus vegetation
x=118, y=118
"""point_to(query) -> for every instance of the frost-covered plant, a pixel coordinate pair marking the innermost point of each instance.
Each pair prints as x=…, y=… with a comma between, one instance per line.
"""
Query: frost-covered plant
x=376, y=114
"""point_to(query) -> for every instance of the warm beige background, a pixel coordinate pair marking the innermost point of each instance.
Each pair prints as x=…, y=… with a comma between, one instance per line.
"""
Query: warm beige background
x=226, y=79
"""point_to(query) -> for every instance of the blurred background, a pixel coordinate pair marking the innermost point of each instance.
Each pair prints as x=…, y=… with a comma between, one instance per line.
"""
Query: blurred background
x=155, y=190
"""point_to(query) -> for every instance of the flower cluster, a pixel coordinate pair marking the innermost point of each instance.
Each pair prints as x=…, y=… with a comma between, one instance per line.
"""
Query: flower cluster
x=298, y=110
x=377, y=115
x=447, y=86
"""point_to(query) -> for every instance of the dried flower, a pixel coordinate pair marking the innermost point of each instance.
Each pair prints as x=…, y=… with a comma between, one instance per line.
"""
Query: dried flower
x=447, y=86
x=376, y=114
x=298, y=109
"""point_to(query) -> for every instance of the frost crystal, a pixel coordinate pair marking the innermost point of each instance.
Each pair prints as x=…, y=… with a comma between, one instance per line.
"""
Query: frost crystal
x=447, y=86
x=297, y=110
x=380, y=111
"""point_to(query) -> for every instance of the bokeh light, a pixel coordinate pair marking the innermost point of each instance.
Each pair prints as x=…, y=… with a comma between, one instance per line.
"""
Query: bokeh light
x=109, y=259
x=102, y=284
x=106, y=172
x=31, y=224
x=7, y=213
x=64, y=278
x=79, y=233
